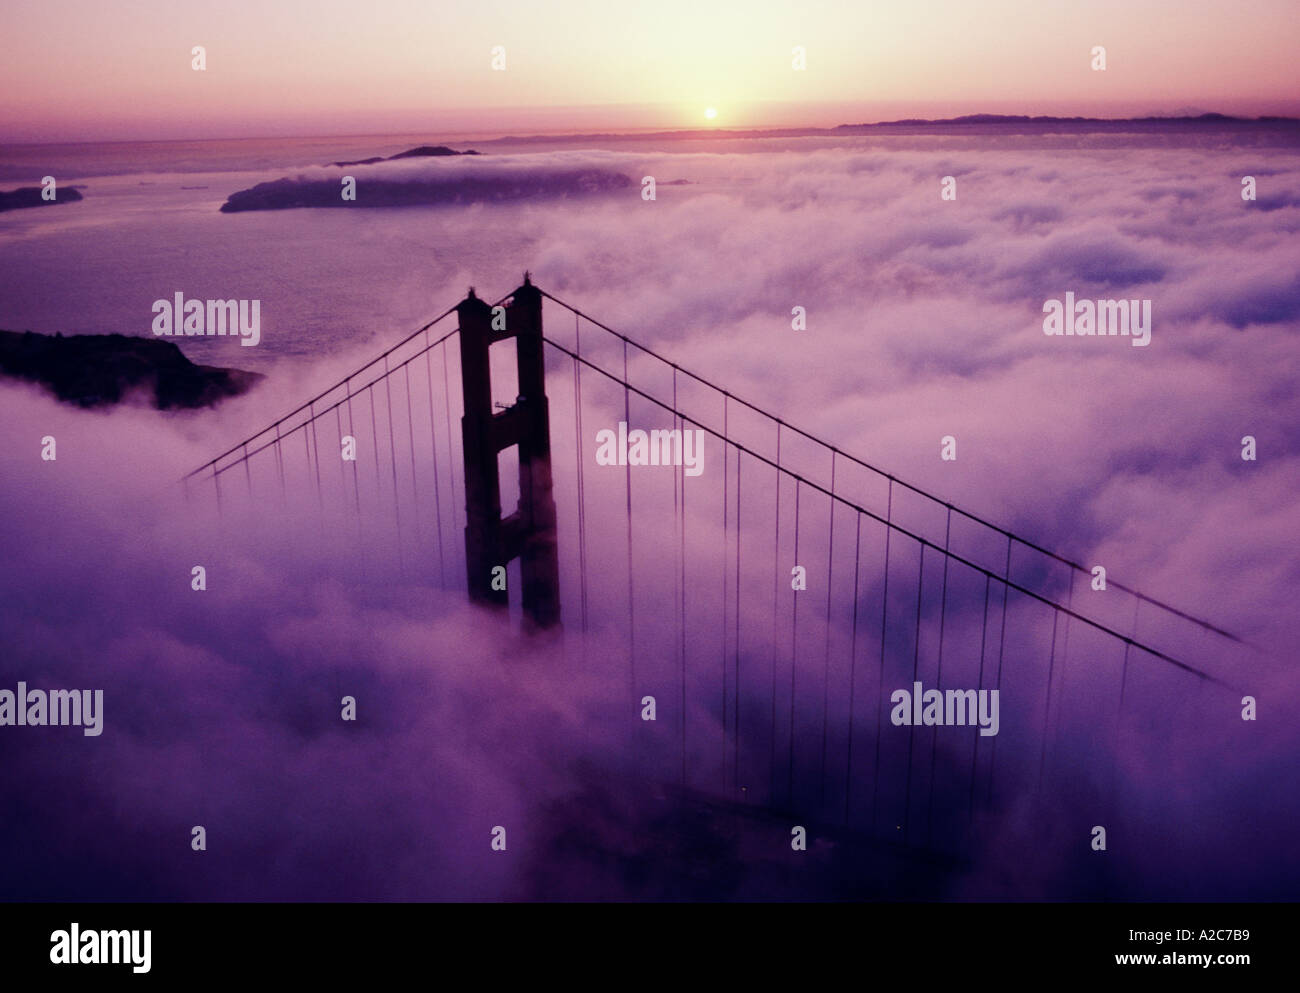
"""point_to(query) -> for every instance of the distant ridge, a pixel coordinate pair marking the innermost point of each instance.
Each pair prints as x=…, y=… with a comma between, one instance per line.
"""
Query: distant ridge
x=424, y=151
x=1005, y=122
x=1105, y=121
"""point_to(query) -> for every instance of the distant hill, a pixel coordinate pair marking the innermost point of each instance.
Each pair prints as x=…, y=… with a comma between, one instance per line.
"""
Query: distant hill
x=1006, y=123
x=424, y=151
x=1100, y=122
x=98, y=370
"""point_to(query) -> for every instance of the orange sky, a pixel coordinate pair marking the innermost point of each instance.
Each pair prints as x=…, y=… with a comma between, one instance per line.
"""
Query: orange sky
x=81, y=69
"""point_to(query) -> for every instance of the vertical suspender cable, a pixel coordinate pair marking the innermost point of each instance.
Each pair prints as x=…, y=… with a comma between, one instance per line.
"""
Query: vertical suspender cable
x=1047, y=705
x=1065, y=647
x=451, y=446
x=437, y=482
x=938, y=678
x=916, y=663
x=725, y=496
x=776, y=594
x=410, y=437
x=884, y=621
x=279, y=464
x=736, y=688
x=853, y=664
x=582, y=504
x=826, y=660
x=794, y=646
x=682, y=609
x=984, y=630
x=356, y=484
x=631, y=610
x=392, y=456
x=320, y=499
x=1002, y=644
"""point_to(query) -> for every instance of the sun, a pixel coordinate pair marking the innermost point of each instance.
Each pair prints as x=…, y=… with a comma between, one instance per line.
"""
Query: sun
x=710, y=112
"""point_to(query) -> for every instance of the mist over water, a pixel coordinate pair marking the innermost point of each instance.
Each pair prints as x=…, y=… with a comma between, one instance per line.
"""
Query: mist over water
x=924, y=320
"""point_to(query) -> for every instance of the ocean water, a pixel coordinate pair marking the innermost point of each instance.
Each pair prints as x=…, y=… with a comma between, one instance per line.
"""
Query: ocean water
x=150, y=226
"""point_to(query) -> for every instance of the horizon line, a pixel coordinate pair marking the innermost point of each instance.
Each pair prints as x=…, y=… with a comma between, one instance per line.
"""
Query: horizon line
x=786, y=130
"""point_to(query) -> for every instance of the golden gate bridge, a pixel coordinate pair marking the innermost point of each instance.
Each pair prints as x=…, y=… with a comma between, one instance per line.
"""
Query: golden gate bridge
x=778, y=697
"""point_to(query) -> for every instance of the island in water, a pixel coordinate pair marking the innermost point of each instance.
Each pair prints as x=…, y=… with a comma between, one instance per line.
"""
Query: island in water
x=99, y=370
x=492, y=180
x=423, y=151
x=30, y=196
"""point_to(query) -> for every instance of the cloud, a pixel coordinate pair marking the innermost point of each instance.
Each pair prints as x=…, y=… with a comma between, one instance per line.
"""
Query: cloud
x=427, y=181
x=924, y=320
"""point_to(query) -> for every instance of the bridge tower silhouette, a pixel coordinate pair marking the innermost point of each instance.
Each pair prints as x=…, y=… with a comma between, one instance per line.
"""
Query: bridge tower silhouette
x=772, y=697
x=528, y=534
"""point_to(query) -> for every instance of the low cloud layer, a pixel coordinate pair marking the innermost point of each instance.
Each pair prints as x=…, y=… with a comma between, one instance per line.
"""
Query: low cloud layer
x=426, y=182
x=924, y=319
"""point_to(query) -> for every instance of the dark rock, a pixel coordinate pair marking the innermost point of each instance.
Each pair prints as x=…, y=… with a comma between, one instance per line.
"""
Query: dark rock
x=411, y=153
x=30, y=196
x=427, y=150
x=97, y=370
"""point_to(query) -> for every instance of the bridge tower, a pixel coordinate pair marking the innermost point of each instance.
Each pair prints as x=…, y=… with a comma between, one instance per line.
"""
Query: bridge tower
x=529, y=533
